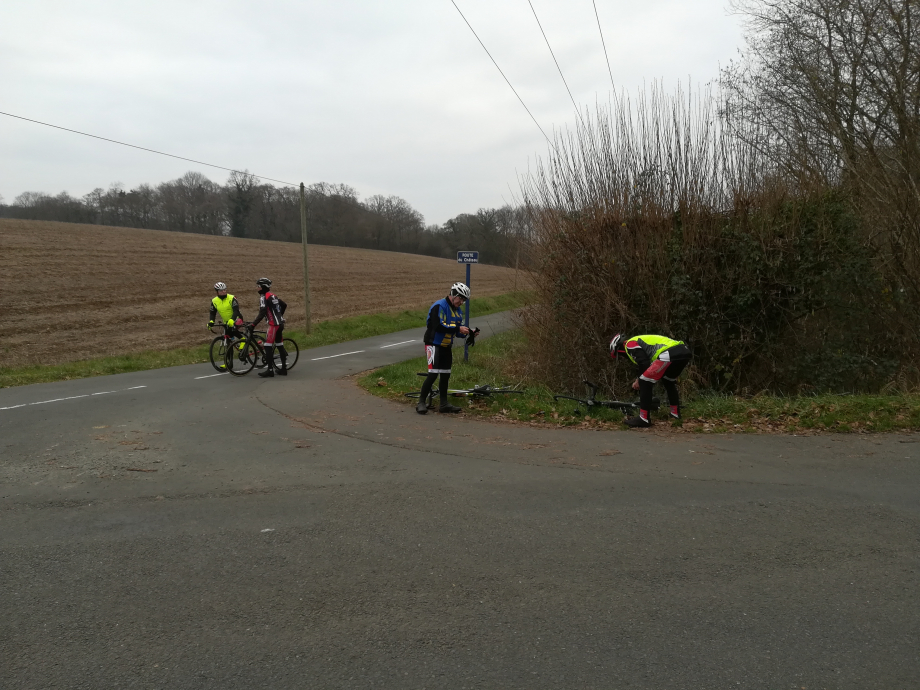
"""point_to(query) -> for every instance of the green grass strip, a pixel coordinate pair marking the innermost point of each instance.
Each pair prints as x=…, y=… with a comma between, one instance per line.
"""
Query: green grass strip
x=324, y=333
x=704, y=414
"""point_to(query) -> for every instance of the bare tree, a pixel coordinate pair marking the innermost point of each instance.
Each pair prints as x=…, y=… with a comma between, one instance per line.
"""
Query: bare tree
x=241, y=196
x=832, y=89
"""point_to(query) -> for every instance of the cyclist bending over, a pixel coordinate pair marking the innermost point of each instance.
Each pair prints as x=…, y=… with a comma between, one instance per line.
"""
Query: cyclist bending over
x=271, y=307
x=445, y=322
x=657, y=358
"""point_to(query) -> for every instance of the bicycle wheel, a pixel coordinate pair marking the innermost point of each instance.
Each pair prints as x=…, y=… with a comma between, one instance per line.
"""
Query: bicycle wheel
x=569, y=397
x=435, y=392
x=217, y=353
x=293, y=352
x=507, y=390
x=623, y=407
x=240, y=362
x=257, y=352
x=431, y=397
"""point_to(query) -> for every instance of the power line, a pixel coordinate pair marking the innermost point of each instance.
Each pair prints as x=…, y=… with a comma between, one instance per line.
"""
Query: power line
x=603, y=43
x=554, y=57
x=503, y=75
x=142, y=148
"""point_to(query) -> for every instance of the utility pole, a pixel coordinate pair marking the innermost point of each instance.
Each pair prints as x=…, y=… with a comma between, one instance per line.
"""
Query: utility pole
x=306, y=268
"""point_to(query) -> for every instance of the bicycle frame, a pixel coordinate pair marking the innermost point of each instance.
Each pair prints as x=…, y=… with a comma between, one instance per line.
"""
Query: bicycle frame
x=591, y=401
x=484, y=391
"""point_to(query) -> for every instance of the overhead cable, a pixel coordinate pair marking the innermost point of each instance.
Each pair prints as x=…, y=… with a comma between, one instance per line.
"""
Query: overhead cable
x=503, y=75
x=143, y=148
x=554, y=56
x=603, y=43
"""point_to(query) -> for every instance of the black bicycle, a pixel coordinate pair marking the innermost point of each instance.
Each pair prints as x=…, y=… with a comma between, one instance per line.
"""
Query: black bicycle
x=239, y=361
x=591, y=401
x=229, y=337
x=476, y=392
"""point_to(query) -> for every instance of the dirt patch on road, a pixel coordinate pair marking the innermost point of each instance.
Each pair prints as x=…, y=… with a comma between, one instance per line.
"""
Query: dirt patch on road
x=72, y=291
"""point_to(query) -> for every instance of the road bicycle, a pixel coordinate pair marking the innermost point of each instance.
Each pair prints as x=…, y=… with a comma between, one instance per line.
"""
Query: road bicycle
x=239, y=361
x=229, y=337
x=591, y=401
x=476, y=392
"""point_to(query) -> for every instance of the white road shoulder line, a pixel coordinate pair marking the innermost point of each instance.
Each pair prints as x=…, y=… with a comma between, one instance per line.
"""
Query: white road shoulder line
x=211, y=375
x=395, y=344
x=341, y=355
x=72, y=397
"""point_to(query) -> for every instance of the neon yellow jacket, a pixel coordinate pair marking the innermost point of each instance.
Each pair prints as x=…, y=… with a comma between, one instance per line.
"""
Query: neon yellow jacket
x=642, y=350
x=227, y=307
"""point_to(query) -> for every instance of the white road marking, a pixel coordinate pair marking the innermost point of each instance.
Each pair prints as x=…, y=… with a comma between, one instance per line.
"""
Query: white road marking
x=13, y=407
x=341, y=355
x=72, y=397
x=211, y=375
x=395, y=344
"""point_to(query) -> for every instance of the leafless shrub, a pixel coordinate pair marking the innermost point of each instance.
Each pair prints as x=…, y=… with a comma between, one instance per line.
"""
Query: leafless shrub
x=656, y=215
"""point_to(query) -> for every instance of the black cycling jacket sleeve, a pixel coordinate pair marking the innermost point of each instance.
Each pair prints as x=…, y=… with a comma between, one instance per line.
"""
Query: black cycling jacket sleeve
x=283, y=305
x=642, y=360
x=260, y=316
x=213, y=314
x=237, y=314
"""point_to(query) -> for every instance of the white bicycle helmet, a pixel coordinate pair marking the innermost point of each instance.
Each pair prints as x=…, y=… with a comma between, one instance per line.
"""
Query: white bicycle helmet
x=220, y=286
x=460, y=289
x=615, y=345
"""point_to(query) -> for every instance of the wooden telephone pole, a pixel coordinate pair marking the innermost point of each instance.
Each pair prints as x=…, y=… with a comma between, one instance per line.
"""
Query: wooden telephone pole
x=306, y=269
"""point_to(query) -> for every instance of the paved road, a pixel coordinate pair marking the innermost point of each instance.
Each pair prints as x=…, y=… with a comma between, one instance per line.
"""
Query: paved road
x=296, y=533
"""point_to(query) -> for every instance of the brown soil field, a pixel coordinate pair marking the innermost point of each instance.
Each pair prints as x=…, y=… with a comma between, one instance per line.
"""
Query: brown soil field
x=71, y=291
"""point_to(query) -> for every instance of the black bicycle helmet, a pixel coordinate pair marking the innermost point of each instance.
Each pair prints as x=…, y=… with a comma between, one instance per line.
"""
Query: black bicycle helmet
x=264, y=283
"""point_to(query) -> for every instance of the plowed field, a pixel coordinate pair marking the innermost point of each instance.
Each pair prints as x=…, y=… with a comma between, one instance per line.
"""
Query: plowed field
x=70, y=292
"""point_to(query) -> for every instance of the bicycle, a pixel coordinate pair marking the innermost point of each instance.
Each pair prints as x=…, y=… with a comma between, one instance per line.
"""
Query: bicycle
x=227, y=339
x=240, y=362
x=591, y=401
x=475, y=392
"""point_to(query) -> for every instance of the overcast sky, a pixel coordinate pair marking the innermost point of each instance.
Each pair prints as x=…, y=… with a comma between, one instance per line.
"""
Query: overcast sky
x=393, y=97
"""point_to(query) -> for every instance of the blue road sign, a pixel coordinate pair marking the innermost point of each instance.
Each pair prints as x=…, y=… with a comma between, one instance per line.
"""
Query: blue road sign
x=467, y=257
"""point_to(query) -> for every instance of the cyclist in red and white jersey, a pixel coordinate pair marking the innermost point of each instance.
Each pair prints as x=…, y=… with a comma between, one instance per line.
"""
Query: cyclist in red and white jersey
x=271, y=308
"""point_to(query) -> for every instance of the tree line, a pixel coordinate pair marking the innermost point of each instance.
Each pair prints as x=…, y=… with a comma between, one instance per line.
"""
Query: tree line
x=247, y=207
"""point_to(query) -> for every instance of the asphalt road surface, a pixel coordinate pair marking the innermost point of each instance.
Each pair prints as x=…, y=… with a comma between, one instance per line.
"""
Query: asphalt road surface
x=176, y=529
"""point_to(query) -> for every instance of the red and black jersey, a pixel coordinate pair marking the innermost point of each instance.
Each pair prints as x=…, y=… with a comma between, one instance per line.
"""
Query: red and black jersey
x=271, y=307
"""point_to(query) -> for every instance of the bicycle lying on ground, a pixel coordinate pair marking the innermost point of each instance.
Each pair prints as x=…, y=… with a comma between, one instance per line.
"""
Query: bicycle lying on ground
x=248, y=352
x=220, y=344
x=591, y=401
x=476, y=392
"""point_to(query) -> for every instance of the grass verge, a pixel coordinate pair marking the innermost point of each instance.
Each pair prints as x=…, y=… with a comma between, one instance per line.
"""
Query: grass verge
x=705, y=413
x=324, y=333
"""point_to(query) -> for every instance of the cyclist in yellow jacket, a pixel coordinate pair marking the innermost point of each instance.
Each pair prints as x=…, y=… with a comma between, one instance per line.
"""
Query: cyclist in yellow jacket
x=657, y=358
x=228, y=308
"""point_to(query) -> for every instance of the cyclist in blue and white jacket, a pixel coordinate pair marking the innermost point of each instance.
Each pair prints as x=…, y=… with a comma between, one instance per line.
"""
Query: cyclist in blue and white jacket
x=444, y=324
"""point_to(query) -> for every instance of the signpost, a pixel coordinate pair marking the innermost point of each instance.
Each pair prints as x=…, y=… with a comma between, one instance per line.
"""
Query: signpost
x=467, y=258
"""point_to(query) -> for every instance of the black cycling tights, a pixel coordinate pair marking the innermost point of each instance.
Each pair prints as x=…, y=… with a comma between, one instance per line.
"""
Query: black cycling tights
x=270, y=355
x=645, y=393
x=429, y=382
